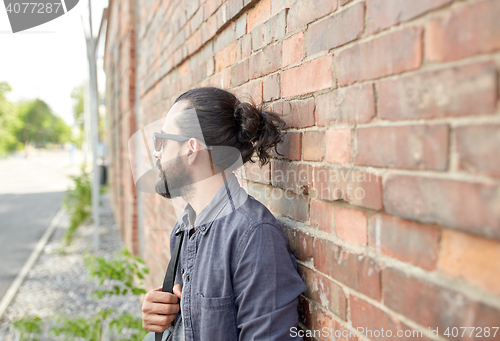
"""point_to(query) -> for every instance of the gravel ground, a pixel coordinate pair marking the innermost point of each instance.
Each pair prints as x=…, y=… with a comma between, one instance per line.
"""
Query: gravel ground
x=58, y=284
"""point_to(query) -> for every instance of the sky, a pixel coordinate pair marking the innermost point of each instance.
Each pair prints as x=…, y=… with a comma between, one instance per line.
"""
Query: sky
x=49, y=60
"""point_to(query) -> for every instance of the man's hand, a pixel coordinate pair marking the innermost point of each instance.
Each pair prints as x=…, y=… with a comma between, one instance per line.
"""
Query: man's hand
x=159, y=309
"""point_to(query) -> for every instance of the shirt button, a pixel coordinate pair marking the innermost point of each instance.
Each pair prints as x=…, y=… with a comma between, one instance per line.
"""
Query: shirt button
x=182, y=271
x=203, y=228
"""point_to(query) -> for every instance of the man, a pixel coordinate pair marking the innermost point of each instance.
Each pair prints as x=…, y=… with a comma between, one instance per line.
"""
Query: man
x=237, y=279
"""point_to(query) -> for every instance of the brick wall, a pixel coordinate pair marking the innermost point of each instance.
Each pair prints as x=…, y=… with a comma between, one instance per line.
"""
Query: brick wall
x=389, y=187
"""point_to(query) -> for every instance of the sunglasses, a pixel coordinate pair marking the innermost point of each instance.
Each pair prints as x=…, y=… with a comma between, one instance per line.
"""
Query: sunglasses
x=158, y=140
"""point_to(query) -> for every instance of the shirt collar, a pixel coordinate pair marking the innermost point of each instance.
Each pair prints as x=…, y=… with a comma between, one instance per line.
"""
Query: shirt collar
x=228, y=198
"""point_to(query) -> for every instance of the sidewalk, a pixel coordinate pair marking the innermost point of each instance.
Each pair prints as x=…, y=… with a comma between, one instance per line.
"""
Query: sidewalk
x=57, y=284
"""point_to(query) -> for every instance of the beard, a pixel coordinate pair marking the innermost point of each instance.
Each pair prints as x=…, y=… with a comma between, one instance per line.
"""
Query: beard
x=180, y=180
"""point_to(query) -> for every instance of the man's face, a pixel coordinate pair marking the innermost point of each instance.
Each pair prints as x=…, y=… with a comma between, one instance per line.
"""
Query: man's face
x=175, y=178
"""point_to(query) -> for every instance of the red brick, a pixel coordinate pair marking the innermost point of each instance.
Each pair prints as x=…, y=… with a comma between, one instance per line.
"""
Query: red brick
x=293, y=49
x=223, y=80
x=351, y=225
x=466, y=32
x=338, y=145
x=209, y=7
x=208, y=29
x=293, y=177
x=296, y=114
x=254, y=172
x=405, y=240
x=356, y=271
x=331, y=328
x=390, y=54
x=336, y=30
x=343, y=2
x=323, y=216
x=311, y=76
x=458, y=91
x=295, y=206
x=354, y=104
x=410, y=147
x=274, y=28
x=246, y=46
x=471, y=258
x=290, y=147
x=434, y=306
x=266, y=61
x=300, y=242
x=382, y=14
x=306, y=11
x=324, y=291
x=353, y=186
x=251, y=89
x=239, y=73
x=467, y=206
x=233, y=7
x=258, y=14
x=271, y=87
x=313, y=145
x=367, y=319
x=478, y=149
x=258, y=37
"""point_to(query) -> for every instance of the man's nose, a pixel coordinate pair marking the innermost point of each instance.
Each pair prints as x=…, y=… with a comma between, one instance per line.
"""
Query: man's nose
x=157, y=154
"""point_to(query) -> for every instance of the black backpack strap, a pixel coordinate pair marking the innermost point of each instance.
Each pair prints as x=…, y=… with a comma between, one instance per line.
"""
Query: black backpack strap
x=168, y=282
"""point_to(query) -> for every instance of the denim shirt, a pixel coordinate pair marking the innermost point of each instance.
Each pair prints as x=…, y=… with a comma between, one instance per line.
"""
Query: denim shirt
x=239, y=279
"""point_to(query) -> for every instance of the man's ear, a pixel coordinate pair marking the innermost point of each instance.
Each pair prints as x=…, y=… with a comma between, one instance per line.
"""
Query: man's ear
x=192, y=152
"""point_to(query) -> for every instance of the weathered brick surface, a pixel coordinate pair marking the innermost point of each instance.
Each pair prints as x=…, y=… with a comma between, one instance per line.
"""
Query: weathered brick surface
x=404, y=240
x=472, y=258
x=293, y=49
x=303, y=12
x=458, y=91
x=336, y=30
x=324, y=291
x=338, y=145
x=290, y=204
x=390, y=54
x=322, y=216
x=356, y=187
x=308, y=77
x=468, y=31
x=391, y=145
x=296, y=114
x=313, y=145
x=478, y=149
x=371, y=319
x=434, y=306
x=382, y=14
x=351, y=225
x=466, y=206
x=356, y=271
x=355, y=104
x=410, y=147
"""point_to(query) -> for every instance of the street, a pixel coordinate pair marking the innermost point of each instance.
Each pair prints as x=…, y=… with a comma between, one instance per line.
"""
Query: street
x=31, y=191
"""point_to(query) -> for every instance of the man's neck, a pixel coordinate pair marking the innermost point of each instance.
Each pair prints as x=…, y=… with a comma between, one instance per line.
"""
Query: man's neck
x=205, y=190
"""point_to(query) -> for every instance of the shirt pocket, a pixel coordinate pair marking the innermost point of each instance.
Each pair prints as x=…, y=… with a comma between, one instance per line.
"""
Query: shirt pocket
x=217, y=318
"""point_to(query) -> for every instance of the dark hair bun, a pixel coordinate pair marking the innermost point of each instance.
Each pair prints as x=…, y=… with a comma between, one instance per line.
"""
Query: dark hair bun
x=261, y=130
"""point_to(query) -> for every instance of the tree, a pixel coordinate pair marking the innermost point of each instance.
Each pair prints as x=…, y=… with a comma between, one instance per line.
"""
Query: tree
x=40, y=125
x=9, y=122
